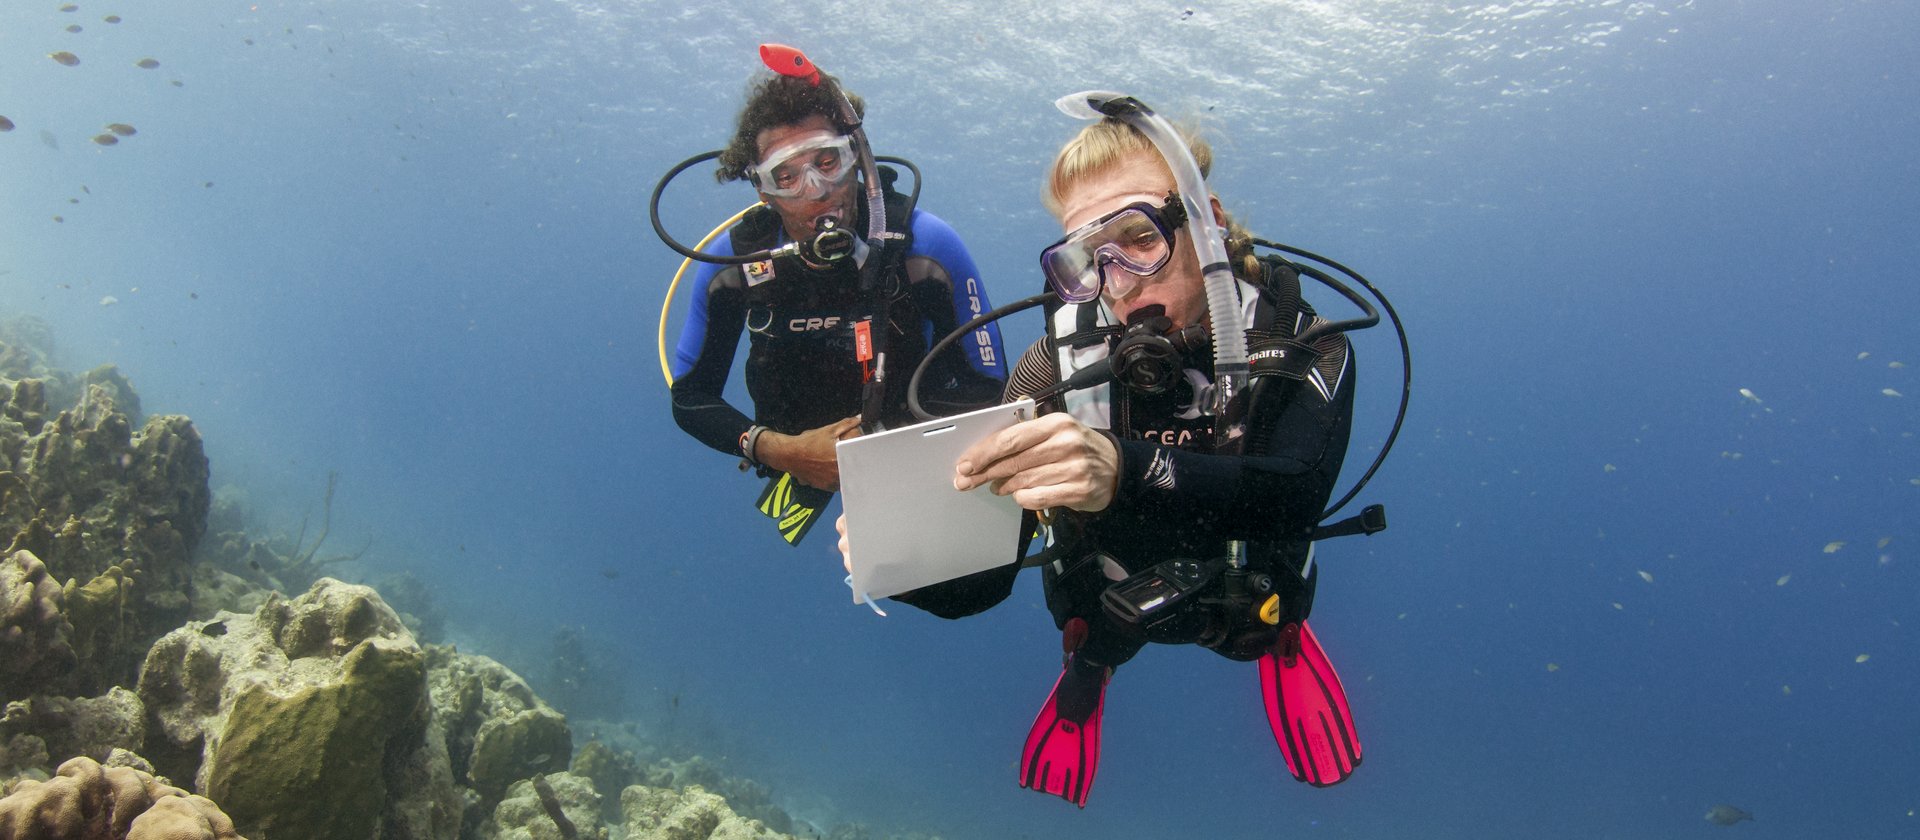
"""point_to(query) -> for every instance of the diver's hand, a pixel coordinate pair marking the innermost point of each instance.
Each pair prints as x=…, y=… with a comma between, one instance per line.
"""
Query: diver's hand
x=846, y=558
x=808, y=456
x=1050, y=461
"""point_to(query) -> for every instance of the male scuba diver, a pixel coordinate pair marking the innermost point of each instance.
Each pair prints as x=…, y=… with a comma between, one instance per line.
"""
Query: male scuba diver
x=1199, y=413
x=839, y=281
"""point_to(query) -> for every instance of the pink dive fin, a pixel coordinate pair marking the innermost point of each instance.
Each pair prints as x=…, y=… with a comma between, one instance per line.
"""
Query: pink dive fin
x=789, y=61
x=1307, y=708
x=1063, y=747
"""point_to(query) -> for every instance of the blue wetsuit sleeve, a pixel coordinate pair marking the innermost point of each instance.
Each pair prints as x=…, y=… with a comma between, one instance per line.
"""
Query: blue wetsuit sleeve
x=703, y=357
x=693, y=332
x=937, y=240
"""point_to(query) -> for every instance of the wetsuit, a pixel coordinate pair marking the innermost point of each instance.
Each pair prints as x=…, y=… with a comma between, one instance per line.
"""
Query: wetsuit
x=1177, y=500
x=801, y=369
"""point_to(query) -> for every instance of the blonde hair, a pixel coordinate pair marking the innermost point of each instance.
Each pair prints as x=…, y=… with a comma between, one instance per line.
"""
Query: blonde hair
x=1103, y=146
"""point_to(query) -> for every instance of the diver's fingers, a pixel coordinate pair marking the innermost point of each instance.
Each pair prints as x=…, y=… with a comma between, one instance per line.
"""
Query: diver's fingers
x=1001, y=454
x=846, y=558
x=847, y=428
x=1069, y=484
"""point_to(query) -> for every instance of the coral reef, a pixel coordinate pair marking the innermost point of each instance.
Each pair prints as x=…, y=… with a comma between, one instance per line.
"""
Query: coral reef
x=86, y=801
x=688, y=814
x=313, y=716
x=113, y=511
x=329, y=690
x=35, y=646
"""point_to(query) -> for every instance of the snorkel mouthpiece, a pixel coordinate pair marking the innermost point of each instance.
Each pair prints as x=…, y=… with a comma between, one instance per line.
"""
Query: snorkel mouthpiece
x=1229, y=334
x=789, y=61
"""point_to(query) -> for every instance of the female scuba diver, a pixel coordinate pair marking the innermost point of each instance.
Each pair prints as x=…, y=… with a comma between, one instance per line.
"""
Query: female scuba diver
x=1180, y=496
x=835, y=321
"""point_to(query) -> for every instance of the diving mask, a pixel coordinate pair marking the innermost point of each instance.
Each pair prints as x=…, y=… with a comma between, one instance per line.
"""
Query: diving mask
x=806, y=168
x=1138, y=238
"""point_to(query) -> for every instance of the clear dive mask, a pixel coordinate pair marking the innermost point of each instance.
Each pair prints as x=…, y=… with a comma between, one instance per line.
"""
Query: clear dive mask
x=1138, y=238
x=807, y=168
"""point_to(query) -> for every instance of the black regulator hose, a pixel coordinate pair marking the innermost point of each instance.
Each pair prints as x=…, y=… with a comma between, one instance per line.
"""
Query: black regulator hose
x=1399, y=331
x=920, y=370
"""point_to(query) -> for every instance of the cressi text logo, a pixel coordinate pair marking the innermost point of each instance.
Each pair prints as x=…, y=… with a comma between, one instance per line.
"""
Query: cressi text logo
x=982, y=339
x=802, y=325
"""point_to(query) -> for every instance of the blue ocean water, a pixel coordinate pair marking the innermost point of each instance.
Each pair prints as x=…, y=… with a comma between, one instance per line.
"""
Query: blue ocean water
x=408, y=243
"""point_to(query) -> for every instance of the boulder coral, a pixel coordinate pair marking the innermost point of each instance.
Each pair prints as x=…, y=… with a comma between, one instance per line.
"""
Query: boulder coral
x=307, y=719
x=527, y=812
x=35, y=636
x=498, y=731
x=86, y=801
x=688, y=814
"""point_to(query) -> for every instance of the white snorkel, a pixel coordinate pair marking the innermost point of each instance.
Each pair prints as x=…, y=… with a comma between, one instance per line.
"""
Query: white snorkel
x=1223, y=306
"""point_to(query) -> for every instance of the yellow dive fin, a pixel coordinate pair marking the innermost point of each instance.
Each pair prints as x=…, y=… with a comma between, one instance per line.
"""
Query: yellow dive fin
x=792, y=506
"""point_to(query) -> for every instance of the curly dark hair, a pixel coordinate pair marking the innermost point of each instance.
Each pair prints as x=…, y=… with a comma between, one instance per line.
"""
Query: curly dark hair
x=774, y=100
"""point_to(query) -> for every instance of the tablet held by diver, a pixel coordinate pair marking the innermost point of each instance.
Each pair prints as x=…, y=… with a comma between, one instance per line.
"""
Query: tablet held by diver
x=906, y=525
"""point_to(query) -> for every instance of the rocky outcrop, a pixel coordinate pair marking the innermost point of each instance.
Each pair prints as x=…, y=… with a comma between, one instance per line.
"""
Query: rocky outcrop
x=307, y=719
x=87, y=801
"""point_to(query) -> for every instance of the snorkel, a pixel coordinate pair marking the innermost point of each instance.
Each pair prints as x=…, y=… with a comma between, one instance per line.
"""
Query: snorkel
x=1223, y=307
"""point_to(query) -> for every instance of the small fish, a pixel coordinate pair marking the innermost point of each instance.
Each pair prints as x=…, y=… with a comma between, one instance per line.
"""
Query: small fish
x=1863, y=355
x=609, y=573
x=111, y=18
x=1896, y=365
x=1860, y=659
x=1646, y=576
x=542, y=758
x=1552, y=667
x=122, y=129
x=1607, y=468
x=109, y=300
x=177, y=83
x=5, y=124
x=1726, y=815
x=1834, y=547
x=146, y=64
x=105, y=139
x=1889, y=392
x=73, y=27
x=1748, y=393
x=1783, y=580
x=58, y=220
x=69, y=8
x=64, y=57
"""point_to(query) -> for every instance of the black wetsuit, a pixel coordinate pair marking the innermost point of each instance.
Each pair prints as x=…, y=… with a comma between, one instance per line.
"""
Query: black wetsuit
x=1177, y=500
x=801, y=369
